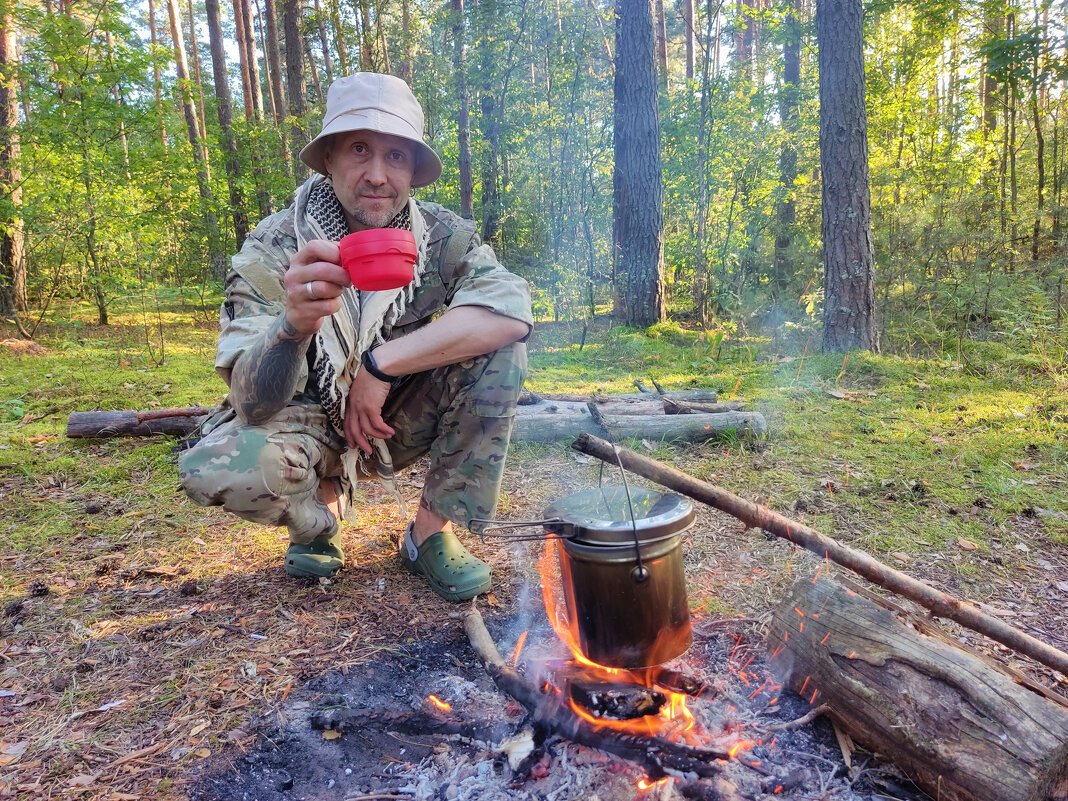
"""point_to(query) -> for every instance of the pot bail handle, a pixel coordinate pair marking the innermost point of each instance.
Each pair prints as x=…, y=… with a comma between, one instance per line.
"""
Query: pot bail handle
x=640, y=573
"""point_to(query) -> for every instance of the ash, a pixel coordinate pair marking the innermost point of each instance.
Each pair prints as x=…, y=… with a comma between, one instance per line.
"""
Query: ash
x=376, y=734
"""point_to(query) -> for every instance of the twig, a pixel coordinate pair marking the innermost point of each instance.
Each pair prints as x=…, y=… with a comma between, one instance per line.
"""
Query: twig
x=805, y=719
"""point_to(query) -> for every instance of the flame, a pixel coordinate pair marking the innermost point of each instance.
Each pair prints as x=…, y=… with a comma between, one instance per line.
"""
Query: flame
x=672, y=720
x=645, y=784
x=442, y=705
x=518, y=648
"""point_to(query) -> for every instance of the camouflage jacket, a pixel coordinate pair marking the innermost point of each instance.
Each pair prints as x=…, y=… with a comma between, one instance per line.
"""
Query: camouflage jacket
x=461, y=271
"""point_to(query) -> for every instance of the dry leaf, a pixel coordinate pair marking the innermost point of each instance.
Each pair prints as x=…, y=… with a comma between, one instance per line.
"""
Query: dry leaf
x=203, y=753
x=331, y=734
x=492, y=600
x=967, y=545
x=84, y=780
x=903, y=558
x=10, y=752
x=649, y=445
x=198, y=729
x=1025, y=464
x=837, y=393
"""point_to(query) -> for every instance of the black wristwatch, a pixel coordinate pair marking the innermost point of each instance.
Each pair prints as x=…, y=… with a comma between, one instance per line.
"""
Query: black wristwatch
x=369, y=365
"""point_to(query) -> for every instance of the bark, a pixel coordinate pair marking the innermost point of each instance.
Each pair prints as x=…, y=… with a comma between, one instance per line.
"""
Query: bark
x=297, y=83
x=463, y=116
x=848, y=254
x=320, y=25
x=339, y=38
x=638, y=215
x=268, y=74
x=898, y=692
x=405, y=71
x=199, y=84
x=242, y=61
x=788, y=113
x=274, y=60
x=532, y=426
x=689, y=33
x=702, y=278
x=309, y=58
x=939, y=603
x=139, y=424
x=13, y=298
x=249, y=44
x=157, y=84
x=226, y=120
x=367, y=61
x=661, y=43
x=211, y=222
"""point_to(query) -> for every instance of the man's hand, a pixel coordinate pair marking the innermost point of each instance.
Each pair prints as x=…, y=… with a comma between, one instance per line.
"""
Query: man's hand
x=363, y=413
x=314, y=282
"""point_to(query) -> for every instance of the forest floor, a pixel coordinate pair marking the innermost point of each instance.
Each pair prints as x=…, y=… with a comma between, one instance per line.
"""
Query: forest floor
x=142, y=637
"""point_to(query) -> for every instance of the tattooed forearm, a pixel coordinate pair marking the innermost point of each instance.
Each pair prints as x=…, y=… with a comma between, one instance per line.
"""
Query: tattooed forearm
x=265, y=377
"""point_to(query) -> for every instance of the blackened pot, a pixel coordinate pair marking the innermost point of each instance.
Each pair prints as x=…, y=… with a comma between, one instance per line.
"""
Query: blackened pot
x=623, y=581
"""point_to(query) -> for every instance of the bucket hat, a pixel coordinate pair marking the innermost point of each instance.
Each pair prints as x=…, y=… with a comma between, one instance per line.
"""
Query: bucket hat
x=370, y=101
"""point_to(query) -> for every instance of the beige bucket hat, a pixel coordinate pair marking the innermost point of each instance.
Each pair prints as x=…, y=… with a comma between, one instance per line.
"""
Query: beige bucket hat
x=369, y=101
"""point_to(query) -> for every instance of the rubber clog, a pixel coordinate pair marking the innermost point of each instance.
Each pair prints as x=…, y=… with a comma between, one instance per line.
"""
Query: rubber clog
x=452, y=571
x=320, y=558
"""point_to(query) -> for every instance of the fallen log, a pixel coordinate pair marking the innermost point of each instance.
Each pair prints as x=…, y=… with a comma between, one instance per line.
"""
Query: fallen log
x=136, y=424
x=658, y=757
x=939, y=603
x=679, y=395
x=549, y=421
x=551, y=427
x=962, y=729
x=618, y=404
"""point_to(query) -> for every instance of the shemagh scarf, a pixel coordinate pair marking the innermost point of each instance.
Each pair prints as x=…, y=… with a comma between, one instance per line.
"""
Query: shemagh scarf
x=358, y=325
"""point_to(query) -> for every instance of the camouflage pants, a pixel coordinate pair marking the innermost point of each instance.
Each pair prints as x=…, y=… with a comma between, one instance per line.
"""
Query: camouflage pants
x=460, y=414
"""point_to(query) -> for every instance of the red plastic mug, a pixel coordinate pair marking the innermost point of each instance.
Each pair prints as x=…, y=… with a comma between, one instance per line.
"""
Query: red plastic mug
x=379, y=258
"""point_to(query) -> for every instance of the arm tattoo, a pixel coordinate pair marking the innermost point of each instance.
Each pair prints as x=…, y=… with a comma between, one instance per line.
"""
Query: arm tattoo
x=265, y=377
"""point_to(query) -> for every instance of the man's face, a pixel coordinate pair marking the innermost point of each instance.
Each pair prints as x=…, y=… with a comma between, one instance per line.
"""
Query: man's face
x=372, y=176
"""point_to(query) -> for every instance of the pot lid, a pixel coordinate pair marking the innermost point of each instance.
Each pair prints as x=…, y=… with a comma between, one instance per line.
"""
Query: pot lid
x=601, y=516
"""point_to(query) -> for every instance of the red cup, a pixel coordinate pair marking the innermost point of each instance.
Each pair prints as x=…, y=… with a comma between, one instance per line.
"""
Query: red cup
x=379, y=258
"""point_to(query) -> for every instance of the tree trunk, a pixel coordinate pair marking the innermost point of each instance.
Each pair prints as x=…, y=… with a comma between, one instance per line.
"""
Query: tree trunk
x=211, y=222
x=13, y=297
x=958, y=726
x=463, y=116
x=226, y=120
x=661, y=43
x=849, y=284
x=298, y=103
x=157, y=84
x=638, y=214
x=788, y=113
x=242, y=61
x=367, y=62
x=689, y=34
x=339, y=38
x=320, y=24
x=269, y=75
x=199, y=84
x=274, y=60
x=309, y=59
x=405, y=71
x=249, y=44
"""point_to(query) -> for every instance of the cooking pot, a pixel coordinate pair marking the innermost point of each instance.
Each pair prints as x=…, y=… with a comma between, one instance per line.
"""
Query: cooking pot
x=620, y=554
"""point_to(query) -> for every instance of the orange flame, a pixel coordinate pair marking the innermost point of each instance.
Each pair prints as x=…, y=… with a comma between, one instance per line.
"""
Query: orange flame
x=644, y=783
x=518, y=648
x=673, y=719
x=442, y=705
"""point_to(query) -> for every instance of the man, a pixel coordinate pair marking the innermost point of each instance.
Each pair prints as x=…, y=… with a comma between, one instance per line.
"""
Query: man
x=328, y=383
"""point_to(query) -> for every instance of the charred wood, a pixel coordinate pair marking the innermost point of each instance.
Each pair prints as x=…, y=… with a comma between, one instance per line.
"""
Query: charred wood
x=549, y=711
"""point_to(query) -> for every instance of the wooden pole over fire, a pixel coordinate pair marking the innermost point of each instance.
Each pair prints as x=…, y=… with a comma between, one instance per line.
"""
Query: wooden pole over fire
x=939, y=603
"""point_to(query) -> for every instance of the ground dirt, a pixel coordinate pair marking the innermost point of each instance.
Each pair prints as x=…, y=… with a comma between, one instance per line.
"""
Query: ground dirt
x=181, y=662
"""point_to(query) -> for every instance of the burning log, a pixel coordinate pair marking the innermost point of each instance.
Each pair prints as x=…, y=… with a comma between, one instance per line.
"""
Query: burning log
x=939, y=603
x=658, y=757
x=960, y=728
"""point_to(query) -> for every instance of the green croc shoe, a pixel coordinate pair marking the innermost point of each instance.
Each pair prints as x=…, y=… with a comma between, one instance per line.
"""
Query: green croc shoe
x=453, y=572
x=320, y=558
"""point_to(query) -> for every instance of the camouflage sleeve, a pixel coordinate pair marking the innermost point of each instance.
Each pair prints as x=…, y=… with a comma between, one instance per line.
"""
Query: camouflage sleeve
x=480, y=280
x=255, y=296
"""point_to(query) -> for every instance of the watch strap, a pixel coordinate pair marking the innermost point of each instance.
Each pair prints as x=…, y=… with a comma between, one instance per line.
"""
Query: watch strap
x=369, y=364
